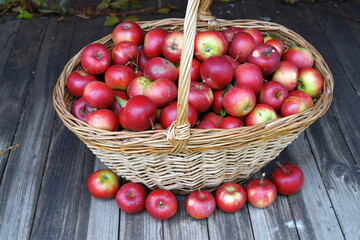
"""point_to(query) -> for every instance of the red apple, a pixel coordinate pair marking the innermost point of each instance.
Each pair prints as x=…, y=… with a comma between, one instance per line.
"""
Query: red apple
x=210, y=116
x=278, y=44
x=230, y=32
x=301, y=56
x=216, y=72
x=292, y=105
x=98, y=94
x=230, y=122
x=161, y=91
x=261, y=192
x=81, y=109
x=209, y=43
x=95, y=58
x=217, y=106
x=172, y=46
x=273, y=94
x=200, y=96
x=119, y=76
x=139, y=114
x=200, y=204
x=159, y=67
x=168, y=115
x=131, y=197
x=239, y=100
x=206, y=124
x=128, y=31
x=104, y=119
x=286, y=74
x=256, y=34
x=124, y=53
x=142, y=60
x=161, y=204
x=195, y=70
x=230, y=197
x=103, y=184
x=266, y=57
x=250, y=75
x=288, y=178
x=260, y=114
x=153, y=42
x=233, y=62
x=241, y=46
x=77, y=80
x=310, y=81
x=306, y=97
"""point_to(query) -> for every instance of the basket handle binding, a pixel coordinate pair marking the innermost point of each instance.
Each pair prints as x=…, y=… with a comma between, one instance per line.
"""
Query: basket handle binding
x=179, y=131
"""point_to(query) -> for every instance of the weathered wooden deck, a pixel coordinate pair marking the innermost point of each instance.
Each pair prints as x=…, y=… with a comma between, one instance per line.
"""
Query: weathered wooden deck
x=43, y=191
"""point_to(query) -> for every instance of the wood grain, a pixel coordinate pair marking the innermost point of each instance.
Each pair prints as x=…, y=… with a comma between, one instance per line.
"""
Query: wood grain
x=22, y=176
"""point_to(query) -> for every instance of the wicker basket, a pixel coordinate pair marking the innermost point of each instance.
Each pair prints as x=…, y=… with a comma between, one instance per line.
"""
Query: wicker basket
x=181, y=158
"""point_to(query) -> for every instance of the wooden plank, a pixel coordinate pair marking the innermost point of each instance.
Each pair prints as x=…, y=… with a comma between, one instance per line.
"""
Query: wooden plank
x=58, y=203
x=96, y=219
x=274, y=222
x=313, y=212
x=37, y=122
x=103, y=215
x=340, y=175
x=325, y=204
x=18, y=61
x=21, y=179
x=8, y=32
x=183, y=226
x=140, y=226
x=345, y=49
x=54, y=217
x=84, y=201
x=231, y=226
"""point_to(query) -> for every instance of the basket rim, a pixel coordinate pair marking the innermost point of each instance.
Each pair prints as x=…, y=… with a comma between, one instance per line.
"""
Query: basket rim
x=155, y=141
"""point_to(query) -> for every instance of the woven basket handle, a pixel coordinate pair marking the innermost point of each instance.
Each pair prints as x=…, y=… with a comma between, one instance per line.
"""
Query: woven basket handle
x=179, y=131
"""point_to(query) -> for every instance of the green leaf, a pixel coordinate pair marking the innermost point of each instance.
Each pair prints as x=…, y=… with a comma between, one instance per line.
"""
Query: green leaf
x=111, y=20
x=173, y=7
x=40, y=3
x=223, y=112
x=42, y=10
x=121, y=101
x=120, y=4
x=17, y=9
x=228, y=87
x=136, y=3
x=163, y=10
x=131, y=19
x=25, y=15
x=102, y=6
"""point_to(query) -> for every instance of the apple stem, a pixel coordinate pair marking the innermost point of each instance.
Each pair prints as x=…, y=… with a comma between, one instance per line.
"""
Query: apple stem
x=237, y=55
x=152, y=124
x=282, y=167
x=262, y=179
x=267, y=52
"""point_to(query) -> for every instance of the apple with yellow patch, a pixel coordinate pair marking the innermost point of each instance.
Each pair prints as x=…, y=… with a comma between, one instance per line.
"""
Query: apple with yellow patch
x=261, y=192
x=230, y=197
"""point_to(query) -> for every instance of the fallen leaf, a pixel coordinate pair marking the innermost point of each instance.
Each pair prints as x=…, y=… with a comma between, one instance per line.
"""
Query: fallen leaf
x=111, y=20
x=131, y=18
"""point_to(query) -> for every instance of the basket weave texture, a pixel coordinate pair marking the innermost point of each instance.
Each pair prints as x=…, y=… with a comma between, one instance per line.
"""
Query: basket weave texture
x=182, y=159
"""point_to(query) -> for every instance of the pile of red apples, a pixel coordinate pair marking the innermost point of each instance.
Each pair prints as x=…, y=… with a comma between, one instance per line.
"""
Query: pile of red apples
x=239, y=77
